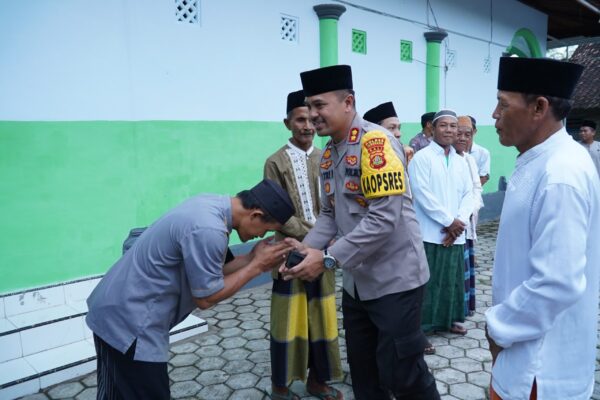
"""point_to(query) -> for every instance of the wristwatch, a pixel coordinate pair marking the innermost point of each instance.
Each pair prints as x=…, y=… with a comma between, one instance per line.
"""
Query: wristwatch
x=329, y=261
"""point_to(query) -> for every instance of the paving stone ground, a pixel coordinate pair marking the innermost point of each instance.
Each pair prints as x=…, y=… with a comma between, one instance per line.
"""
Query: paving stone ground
x=231, y=360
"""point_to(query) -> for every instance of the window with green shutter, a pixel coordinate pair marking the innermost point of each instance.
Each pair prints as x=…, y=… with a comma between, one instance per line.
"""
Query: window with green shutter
x=359, y=41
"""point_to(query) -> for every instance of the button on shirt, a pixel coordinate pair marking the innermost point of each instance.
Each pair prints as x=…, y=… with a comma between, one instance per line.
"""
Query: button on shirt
x=152, y=287
x=442, y=191
x=546, y=272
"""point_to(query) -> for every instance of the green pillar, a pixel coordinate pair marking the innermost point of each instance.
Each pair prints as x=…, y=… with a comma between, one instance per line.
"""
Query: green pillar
x=328, y=14
x=432, y=74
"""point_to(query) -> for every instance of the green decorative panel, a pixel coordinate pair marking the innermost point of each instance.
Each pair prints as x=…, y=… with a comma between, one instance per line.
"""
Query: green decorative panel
x=406, y=51
x=359, y=41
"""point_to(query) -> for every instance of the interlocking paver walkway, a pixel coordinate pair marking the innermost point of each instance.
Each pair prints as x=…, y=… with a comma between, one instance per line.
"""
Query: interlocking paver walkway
x=231, y=360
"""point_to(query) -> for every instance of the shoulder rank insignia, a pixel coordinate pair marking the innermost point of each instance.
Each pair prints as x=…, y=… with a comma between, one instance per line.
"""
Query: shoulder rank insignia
x=351, y=160
x=382, y=171
x=353, y=137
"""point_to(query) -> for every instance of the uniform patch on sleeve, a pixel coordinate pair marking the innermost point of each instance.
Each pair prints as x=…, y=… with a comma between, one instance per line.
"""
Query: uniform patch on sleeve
x=382, y=171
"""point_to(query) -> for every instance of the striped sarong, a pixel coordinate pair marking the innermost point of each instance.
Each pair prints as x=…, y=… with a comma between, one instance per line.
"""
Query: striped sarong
x=304, y=331
x=469, y=277
x=444, y=298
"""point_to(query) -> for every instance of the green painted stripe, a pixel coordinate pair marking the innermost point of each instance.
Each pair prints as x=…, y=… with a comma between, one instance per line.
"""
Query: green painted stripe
x=72, y=190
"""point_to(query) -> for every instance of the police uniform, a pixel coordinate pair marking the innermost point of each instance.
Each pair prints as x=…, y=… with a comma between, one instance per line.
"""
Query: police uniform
x=366, y=204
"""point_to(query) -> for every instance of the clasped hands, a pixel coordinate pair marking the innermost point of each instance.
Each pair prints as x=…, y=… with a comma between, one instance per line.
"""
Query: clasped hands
x=453, y=231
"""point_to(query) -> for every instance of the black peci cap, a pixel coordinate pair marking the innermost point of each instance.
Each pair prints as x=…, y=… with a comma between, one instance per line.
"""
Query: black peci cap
x=274, y=200
x=588, y=123
x=295, y=99
x=542, y=76
x=326, y=79
x=381, y=112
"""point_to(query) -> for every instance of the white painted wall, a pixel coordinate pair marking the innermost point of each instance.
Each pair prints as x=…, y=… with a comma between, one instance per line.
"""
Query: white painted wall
x=131, y=59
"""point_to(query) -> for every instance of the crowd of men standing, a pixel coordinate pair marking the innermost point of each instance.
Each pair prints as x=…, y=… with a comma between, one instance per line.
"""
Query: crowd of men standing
x=401, y=224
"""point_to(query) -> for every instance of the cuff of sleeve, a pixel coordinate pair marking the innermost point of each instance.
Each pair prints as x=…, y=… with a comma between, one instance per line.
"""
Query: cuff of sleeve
x=490, y=321
x=200, y=293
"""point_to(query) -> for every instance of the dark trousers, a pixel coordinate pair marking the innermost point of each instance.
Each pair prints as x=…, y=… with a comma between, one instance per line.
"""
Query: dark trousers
x=385, y=346
x=122, y=377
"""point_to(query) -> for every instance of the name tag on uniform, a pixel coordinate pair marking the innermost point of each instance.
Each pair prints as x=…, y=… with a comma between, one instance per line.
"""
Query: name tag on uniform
x=382, y=171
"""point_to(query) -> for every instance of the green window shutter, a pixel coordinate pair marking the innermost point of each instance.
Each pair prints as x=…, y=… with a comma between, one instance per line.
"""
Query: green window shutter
x=359, y=41
x=406, y=51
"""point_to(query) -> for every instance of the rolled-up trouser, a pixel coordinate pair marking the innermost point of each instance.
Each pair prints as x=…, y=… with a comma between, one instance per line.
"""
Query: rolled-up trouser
x=120, y=377
x=385, y=344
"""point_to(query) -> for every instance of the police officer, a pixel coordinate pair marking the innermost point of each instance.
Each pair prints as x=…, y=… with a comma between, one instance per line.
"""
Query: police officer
x=367, y=204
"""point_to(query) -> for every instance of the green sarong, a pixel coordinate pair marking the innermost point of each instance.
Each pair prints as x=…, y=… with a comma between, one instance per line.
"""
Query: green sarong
x=444, y=298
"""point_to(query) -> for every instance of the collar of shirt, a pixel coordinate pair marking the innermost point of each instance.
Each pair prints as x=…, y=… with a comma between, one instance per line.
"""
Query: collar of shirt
x=298, y=149
x=541, y=148
x=440, y=150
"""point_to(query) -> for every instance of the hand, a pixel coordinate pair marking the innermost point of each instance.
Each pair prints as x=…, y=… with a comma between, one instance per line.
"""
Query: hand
x=269, y=255
x=494, y=348
x=456, y=228
x=409, y=153
x=309, y=269
x=448, y=240
x=295, y=244
x=268, y=240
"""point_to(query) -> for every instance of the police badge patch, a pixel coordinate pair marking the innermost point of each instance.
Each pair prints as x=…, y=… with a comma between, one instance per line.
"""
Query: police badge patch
x=382, y=170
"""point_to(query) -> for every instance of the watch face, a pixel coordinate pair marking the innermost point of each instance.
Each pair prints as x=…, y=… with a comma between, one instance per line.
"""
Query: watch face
x=329, y=262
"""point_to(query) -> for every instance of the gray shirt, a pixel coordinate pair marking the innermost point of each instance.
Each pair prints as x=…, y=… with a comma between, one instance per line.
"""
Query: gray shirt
x=152, y=287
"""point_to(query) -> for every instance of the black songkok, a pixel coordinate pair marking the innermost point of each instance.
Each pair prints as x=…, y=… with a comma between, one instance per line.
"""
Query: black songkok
x=327, y=79
x=295, y=99
x=589, y=123
x=542, y=76
x=381, y=112
x=274, y=200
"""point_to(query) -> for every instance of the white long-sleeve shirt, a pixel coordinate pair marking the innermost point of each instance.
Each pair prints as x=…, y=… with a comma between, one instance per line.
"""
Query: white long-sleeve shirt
x=482, y=158
x=442, y=191
x=471, y=230
x=546, y=272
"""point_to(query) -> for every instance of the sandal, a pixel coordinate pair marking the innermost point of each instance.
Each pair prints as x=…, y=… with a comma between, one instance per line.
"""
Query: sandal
x=330, y=393
x=457, y=329
x=429, y=349
x=289, y=395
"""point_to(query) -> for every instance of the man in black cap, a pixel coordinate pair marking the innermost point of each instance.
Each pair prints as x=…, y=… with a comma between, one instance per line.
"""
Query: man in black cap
x=425, y=137
x=587, y=132
x=304, y=335
x=385, y=115
x=176, y=265
x=367, y=206
x=542, y=327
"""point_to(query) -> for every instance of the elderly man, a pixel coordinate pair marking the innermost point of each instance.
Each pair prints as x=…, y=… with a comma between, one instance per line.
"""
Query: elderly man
x=542, y=327
x=443, y=189
x=587, y=132
x=304, y=333
x=385, y=115
x=368, y=206
x=463, y=140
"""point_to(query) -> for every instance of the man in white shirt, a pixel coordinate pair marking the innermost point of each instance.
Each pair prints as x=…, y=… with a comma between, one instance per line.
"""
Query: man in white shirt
x=481, y=155
x=465, y=134
x=443, y=198
x=587, y=132
x=542, y=327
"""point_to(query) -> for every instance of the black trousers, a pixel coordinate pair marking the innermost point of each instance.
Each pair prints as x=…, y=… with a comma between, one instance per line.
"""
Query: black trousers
x=120, y=377
x=385, y=346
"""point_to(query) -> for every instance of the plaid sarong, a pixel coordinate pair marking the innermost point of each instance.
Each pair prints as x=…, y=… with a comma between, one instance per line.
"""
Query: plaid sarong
x=304, y=332
x=469, y=277
x=444, y=298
